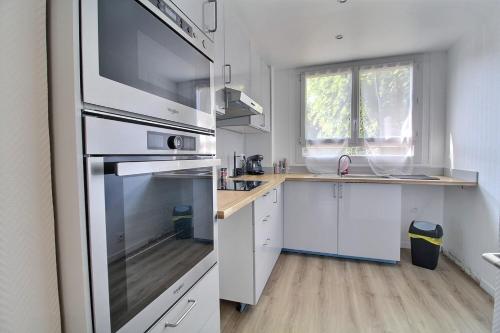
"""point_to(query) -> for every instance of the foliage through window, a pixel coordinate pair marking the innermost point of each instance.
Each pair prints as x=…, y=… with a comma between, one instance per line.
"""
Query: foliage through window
x=360, y=107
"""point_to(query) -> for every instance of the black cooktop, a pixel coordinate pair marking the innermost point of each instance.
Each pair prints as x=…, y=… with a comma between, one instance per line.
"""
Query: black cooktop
x=238, y=185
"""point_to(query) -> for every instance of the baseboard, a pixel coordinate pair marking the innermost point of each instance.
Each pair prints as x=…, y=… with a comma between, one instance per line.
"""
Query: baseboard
x=382, y=261
x=488, y=288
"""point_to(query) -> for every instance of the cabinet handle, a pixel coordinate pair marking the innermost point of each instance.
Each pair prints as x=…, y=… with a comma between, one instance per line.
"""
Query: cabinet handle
x=276, y=195
x=266, y=242
x=265, y=219
x=216, y=19
x=263, y=120
x=179, y=321
x=341, y=192
x=265, y=195
x=230, y=73
x=335, y=191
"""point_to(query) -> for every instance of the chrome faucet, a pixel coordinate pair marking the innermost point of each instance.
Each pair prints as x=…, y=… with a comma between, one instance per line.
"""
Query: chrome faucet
x=338, y=166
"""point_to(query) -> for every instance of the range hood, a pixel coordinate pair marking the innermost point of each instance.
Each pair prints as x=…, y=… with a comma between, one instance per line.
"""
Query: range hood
x=238, y=104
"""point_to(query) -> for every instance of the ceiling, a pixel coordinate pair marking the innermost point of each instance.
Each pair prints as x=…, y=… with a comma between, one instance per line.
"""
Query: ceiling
x=294, y=33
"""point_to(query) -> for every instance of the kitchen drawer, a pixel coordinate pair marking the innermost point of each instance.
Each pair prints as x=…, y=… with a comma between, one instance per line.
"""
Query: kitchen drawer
x=264, y=263
x=198, y=305
x=264, y=204
x=263, y=228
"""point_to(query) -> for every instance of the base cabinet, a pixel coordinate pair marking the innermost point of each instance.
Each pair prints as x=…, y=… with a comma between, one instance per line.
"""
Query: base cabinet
x=197, y=311
x=311, y=216
x=352, y=220
x=369, y=223
x=250, y=242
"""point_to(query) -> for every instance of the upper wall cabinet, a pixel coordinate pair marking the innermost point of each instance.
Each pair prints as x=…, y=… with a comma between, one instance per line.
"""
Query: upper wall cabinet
x=258, y=123
x=262, y=87
x=237, y=51
x=203, y=13
x=239, y=65
x=219, y=61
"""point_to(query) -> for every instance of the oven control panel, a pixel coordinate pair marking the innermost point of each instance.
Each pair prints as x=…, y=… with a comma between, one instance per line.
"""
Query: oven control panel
x=165, y=141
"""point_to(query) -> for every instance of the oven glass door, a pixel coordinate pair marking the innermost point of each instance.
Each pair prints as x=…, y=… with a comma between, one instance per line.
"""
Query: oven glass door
x=159, y=224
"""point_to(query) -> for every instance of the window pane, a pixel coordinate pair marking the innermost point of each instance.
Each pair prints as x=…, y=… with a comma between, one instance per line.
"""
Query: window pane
x=328, y=105
x=385, y=102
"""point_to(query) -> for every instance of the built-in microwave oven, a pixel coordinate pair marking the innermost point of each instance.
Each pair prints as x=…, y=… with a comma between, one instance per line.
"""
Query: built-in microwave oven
x=146, y=58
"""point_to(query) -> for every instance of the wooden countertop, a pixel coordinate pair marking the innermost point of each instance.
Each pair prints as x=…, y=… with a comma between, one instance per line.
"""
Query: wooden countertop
x=229, y=202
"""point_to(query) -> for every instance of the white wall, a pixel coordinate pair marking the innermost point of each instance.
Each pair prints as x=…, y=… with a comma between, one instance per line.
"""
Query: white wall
x=288, y=120
x=28, y=289
x=227, y=143
x=421, y=203
x=473, y=138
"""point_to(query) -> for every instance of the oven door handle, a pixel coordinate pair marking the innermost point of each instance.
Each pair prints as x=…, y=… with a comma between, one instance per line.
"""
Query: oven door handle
x=138, y=168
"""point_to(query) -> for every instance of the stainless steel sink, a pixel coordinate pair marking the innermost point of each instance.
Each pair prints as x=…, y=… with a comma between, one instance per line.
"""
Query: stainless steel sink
x=414, y=177
x=358, y=175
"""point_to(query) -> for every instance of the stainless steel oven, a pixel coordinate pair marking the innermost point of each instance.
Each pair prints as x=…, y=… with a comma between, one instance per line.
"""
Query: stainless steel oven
x=146, y=57
x=151, y=199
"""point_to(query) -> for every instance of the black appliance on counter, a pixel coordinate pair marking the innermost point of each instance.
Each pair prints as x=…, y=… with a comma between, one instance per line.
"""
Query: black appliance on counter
x=254, y=165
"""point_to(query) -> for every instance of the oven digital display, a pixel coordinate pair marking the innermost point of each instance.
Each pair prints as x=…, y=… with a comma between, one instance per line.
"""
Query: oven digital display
x=165, y=141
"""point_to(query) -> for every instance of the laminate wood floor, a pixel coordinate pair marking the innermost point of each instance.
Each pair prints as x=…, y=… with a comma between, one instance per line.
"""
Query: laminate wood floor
x=309, y=294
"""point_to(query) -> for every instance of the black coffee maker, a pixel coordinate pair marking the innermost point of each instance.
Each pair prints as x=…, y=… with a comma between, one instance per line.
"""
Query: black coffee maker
x=254, y=165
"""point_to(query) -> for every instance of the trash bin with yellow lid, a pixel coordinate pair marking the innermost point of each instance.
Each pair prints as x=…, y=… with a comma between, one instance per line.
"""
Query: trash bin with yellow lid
x=426, y=239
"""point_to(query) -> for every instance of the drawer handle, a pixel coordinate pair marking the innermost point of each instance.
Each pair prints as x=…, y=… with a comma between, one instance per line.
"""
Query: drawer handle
x=265, y=195
x=266, y=218
x=266, y=242
x=179, y=321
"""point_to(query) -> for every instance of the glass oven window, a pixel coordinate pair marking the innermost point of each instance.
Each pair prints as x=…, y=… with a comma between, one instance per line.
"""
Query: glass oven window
x=139, y=50
x=158, y=227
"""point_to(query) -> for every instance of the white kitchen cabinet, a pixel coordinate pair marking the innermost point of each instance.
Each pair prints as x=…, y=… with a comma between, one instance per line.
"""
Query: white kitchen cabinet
x=351, y=220
x=197, y=311
x=263, y=86
x=219, y=60
x=237, y=50
x=370, y=221
x=250, y=242
x=310, y=221
x=255, y=74
x=258, y=123
x=202, y=13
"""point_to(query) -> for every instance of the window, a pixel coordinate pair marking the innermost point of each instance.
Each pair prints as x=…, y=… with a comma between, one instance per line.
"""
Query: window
x=360, y=106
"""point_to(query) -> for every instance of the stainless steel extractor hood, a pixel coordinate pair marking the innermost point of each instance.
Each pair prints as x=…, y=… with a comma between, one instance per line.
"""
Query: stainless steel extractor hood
x=239, y=104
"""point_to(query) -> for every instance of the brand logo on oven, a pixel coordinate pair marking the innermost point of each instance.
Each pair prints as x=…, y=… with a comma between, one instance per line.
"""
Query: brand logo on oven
x=173, y=111
x=178, y=288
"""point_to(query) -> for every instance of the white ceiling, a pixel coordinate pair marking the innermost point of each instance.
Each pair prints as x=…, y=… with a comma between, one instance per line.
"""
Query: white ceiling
x=293, y=33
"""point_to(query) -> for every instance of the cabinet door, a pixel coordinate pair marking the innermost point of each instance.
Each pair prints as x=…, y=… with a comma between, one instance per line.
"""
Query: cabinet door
x=264, y=257
x=277, y=229
x=310, y=222
x=219, y=61
x=202, y=13
x=237, y=50
x=263, y=122
x=255, y=74
x=370, y=221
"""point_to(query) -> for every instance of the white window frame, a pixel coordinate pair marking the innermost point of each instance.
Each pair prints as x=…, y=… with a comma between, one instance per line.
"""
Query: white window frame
x=417, y=111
